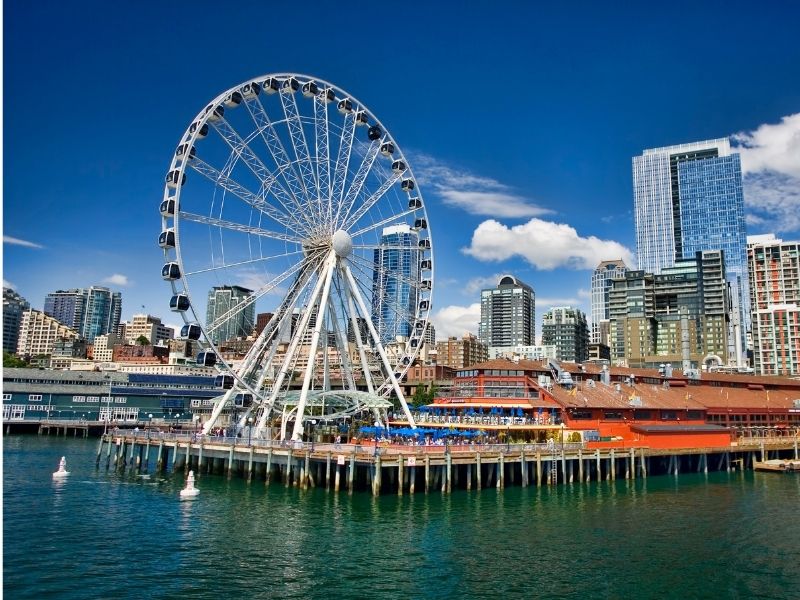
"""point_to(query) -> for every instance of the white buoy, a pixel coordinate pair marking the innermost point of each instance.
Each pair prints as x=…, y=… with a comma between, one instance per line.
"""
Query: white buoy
x=189, y=491
x=62, y=469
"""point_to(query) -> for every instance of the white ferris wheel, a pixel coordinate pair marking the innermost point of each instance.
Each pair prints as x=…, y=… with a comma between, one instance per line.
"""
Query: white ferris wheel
x=287, y=198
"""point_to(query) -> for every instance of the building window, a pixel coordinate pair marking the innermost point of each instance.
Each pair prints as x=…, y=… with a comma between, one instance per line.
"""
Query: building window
x=6, y=397
x=34, y=398
x=79, y=398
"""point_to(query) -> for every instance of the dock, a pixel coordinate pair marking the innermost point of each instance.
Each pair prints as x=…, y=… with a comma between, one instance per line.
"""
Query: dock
x=778, y=466
x=400, y=469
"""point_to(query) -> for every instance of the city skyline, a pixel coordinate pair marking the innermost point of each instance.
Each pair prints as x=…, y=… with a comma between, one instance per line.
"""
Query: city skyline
x=524, y=174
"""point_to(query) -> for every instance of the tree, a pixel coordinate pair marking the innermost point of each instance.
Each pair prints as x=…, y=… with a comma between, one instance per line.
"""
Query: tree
x=12, y=361
x=142, y=340
x=420, y=396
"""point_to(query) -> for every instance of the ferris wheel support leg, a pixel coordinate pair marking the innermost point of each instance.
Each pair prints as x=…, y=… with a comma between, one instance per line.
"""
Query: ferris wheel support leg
x=287, y=361
x=357, y=332
x=218, y=408
x=359, y=343
x=297, y=433
x=386, y=364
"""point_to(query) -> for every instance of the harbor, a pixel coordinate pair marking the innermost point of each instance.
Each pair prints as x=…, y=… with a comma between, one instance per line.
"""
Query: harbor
x=402, y=469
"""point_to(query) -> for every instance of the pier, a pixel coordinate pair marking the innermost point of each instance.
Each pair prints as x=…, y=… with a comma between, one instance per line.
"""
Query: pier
x=399, y=469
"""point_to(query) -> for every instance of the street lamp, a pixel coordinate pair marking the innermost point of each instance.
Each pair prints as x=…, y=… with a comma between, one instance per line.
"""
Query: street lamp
x=508, y=439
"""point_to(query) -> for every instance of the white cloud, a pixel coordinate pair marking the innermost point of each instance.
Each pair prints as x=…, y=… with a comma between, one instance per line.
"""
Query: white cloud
x=117, y=279
x=8, y=284
x=771, y=171
x=771, y=147
x=475, y=194
x=544, y=244
x=544, y=304
x=476, y=284
x=457, y=320
x=7, y=239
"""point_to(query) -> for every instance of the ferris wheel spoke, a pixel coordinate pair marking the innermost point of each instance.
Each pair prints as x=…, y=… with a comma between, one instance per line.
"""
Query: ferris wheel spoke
x=252, y=298
x=358, y=182
x=230, y=225
x=382, y=223
x=374, y=199
x=343, y=159
x=321, y=130
x=366, y=266
x=255, y=201
x=241, y=148
x=276, y=149
x=298, y=137
x=243, y=262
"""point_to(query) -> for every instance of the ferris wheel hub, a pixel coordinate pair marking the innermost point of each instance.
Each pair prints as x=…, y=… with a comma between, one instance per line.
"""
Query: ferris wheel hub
x=342, y=243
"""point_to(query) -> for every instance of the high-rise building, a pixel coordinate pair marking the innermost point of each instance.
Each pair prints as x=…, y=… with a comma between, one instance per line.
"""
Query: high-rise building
x=679, y=315
x=226, y=300
x=508, y=314
x=774, y=275
x=565, y=328
x=395, y=282
x=90, y=311
x=13, y=307
x=606, y=271
x=430, y=335
x=461, y=352
x=688, y=198
x=39, y=332
x=148, y=326
x=230, y=314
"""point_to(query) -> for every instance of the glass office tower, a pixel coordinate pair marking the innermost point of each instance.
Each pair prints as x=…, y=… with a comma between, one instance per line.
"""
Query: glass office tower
x=688, y=198
x=395, y=281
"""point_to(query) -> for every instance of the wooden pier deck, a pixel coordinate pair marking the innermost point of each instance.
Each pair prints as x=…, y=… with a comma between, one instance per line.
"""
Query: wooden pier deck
x=411, y=469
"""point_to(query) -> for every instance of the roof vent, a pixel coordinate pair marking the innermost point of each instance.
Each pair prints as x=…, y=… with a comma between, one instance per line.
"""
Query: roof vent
x=635, y=401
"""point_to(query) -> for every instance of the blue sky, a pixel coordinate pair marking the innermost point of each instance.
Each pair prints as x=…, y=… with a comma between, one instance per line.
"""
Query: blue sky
x=519, y=120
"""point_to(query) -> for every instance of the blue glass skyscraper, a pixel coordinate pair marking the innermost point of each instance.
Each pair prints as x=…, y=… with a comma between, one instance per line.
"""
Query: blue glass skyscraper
x=688, y=198
x=395, y=282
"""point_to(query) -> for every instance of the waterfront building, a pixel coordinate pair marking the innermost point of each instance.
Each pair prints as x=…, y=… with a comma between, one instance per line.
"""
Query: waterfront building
x=148, y=326
x=599, y=353
x=688, y=198
x=227, y=300
x=36, y=394
x=262, y=319
x=534, y=352
x=602, y=276
x=508, y=314
x=565, y=328
x=139, y=353
x=13, y=307
x=90, y=311
x=458, y=353
x=395, y=282
x=38, y=334
x=774, y=277
x=679, y=315
x=69, y=348
x=103, y=347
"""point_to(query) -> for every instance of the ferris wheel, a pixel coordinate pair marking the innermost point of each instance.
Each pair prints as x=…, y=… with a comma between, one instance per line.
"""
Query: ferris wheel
x=288, y=205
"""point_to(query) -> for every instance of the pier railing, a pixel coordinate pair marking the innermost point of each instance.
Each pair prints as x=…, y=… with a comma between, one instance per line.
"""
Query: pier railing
x=367, y=447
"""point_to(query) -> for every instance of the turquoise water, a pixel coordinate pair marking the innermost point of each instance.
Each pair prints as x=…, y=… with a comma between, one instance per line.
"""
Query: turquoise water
x=100, y=534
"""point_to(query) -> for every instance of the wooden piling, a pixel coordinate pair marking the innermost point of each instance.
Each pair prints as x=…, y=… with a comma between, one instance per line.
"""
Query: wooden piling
x=399, y=474
x=478, y=471
x=427, y=473
x=352, y=473
x=538, y=469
